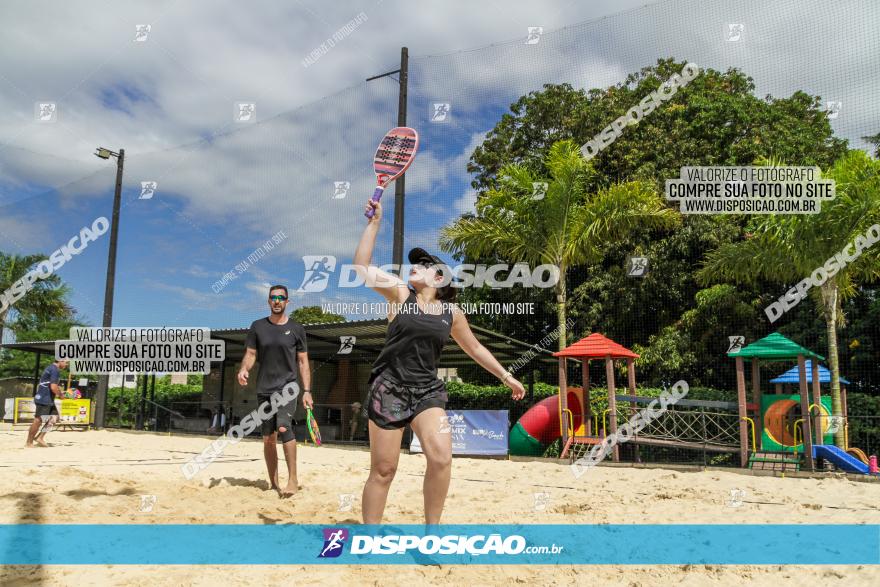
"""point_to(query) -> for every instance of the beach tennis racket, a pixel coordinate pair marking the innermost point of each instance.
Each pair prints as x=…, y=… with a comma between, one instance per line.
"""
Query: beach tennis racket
x=312, y=425
x=394, y=155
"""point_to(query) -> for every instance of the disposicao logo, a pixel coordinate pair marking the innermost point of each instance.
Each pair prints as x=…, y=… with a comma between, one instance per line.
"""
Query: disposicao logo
x=334, y=540
x=431, y=544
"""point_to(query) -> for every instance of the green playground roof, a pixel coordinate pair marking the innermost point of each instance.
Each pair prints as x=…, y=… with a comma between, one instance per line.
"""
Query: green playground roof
x=774, y=347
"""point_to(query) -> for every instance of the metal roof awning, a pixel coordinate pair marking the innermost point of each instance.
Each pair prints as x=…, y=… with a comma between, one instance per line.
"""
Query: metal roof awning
x=324, y=344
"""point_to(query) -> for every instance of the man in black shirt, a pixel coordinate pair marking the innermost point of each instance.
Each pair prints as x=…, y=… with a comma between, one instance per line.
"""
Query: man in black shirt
x=279, y=343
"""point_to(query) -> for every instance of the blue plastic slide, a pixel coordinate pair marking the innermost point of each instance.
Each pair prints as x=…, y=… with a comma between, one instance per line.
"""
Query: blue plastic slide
x=840, y=458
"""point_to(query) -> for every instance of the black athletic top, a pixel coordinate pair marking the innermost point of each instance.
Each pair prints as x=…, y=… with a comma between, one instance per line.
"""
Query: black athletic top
x=44, y=395
x=277, y=346
x=413, y=344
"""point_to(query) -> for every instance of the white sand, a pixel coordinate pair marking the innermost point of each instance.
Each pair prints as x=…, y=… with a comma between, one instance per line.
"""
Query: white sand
x=98, y=477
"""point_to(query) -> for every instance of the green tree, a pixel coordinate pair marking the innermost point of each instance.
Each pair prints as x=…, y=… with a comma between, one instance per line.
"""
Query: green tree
x=45, y=301
x=694, y=347
x=874, y=140
x=314, y=315
x=714, y=120
x=787, y=248
x=860, y=349
x=571, y=225
x=13, y=363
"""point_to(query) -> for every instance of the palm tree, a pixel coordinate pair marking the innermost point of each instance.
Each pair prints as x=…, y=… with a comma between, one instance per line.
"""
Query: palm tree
x=787, y=248
x=571, y=225
x=45, y=301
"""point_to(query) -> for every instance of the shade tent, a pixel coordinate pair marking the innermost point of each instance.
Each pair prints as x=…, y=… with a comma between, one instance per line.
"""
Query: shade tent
x=791, y=376
x=324, y=345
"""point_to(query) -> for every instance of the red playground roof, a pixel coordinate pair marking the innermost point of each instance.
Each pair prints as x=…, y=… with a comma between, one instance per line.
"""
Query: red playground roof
x=596, y=346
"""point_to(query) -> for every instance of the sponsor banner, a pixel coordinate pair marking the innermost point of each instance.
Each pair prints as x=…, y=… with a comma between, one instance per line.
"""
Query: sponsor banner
x=563, y=544
x=70, y=411
x=75, y=411
x=25, y=408
x=474, y=432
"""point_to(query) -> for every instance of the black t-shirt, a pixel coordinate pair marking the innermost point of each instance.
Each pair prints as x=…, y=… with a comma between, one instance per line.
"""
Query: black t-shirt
x=277, y=346
x=44, y=395
x=413, y=344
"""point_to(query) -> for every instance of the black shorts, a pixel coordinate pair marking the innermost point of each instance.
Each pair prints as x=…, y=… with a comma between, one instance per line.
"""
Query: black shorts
x=392, y=405
x=282, y=419
x=44, y=411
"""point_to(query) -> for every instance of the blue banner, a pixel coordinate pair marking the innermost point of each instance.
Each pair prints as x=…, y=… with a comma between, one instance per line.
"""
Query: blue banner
x=668, y=544
x=474, y=432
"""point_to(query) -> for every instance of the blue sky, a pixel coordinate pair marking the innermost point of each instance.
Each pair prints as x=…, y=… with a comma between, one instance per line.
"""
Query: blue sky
x=224, y=187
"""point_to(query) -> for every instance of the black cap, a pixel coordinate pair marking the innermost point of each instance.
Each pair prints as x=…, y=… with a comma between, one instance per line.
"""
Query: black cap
x=417, y=255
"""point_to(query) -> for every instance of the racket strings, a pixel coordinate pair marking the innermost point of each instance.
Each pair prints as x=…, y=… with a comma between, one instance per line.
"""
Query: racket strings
x=395, y=152
x=394, y=155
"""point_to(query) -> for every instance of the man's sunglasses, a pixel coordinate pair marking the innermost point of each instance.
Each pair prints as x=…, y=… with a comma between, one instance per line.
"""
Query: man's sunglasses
x=277, y=298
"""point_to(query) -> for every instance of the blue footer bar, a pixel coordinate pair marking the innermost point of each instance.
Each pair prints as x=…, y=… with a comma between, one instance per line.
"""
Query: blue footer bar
x=215, y=544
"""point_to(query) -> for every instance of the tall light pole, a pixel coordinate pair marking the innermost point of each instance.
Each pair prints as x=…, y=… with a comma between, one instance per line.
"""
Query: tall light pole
x=103, y=380
x=399, y=183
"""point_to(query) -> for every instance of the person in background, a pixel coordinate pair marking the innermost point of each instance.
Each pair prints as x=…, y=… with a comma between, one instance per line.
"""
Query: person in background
x=46, y=414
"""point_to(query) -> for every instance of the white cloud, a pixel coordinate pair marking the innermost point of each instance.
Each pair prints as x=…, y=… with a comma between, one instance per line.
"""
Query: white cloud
x=202, y=57
x=467, y=203
x=232, y=186
x=197, y=270
x=187, y=297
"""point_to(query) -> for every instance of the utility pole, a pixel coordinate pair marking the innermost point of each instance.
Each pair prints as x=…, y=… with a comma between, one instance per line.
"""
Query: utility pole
x=400, y=183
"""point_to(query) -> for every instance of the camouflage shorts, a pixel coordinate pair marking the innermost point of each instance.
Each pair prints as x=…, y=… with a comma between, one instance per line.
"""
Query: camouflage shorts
x=392, y=405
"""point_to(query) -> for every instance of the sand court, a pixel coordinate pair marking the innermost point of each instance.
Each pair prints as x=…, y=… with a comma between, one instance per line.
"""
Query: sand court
x=114, y=477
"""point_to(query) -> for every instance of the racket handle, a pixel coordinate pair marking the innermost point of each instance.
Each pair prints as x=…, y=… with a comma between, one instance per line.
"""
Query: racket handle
x=377, y=195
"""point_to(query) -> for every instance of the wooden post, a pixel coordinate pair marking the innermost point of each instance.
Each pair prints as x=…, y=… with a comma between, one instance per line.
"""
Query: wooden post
x=631, y=377
x=612, y=406
x=741, y=405
x=756, y=399
x=778, y=389
x=845, y=415
x=817, y=399
x=222, y=374
x=805, y=413
x=631, y=386
x=563, y=399
x=37, y=372
x=588, y=410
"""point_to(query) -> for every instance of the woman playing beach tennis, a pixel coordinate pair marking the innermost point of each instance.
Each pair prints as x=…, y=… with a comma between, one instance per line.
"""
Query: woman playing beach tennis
x=404, y=388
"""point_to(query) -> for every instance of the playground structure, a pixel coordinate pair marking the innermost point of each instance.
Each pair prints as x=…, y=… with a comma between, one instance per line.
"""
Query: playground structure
x=709, y=426
x=540, y=426
x=569, y=415
x=580, y=429
x=768, y=431
x=813, y=427
x=780, y=410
